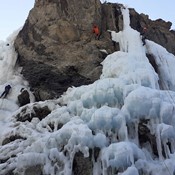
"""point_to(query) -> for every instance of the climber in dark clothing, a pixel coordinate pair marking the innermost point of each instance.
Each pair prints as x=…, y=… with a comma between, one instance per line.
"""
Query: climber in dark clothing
x=143, y=35
x=6, y=91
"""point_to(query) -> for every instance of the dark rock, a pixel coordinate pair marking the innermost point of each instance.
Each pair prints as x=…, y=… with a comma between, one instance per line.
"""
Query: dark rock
x=94, y=153
x=156, y=68
x=24, y=115
x=41, y=113
x=34, y=170
x=48, y=82
x=146, y=136
x=5, y=159
x=24, y=98
x=52, y=126
x=38, y=112
x=112, y=18
x=153, y=62
x=10, y=173
x=82, y=165
x=11, y=139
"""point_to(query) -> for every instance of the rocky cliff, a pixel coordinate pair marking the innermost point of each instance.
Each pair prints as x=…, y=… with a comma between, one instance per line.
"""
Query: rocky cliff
x=57, y=49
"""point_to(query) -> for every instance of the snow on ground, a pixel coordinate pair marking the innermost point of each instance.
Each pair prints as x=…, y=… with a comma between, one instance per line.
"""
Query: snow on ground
x=105, y=114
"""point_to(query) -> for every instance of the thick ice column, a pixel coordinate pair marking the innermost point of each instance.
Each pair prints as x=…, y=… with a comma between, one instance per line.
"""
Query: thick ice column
x=126, y=18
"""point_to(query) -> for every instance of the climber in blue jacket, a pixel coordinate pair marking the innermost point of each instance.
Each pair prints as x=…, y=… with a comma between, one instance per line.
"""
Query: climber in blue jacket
x=6, y=91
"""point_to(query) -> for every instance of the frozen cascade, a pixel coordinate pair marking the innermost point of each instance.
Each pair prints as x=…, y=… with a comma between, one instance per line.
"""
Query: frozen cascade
x=123, y=122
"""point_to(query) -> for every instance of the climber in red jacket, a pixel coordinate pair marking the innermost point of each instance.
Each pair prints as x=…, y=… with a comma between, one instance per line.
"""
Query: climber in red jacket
x=96, y=31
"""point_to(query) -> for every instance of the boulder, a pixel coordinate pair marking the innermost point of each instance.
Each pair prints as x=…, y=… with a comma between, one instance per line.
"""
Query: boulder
x=24, y=98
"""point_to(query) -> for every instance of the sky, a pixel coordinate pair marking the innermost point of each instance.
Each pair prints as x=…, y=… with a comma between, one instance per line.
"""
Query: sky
x=13, y=13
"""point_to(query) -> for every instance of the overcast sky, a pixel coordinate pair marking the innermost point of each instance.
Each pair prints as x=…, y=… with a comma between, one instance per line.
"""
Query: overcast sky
x=13, y=13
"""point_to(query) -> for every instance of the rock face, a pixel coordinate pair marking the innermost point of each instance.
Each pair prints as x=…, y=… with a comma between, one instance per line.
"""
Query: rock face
x=57, y=49
x=56, y=46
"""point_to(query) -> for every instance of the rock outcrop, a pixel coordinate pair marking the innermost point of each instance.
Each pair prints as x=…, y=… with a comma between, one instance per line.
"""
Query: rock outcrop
x=57, y=49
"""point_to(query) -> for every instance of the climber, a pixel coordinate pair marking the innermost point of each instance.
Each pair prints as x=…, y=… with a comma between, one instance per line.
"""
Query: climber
x=143, y=35
x=6, y=91
x=96, y=31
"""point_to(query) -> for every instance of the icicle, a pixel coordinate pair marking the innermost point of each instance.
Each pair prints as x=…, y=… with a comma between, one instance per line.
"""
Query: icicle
x=136, y=133
x=166, y=149
x=158, y=142
x=172, y=145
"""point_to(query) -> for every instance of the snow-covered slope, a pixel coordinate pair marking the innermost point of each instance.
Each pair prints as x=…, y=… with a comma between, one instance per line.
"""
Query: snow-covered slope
x=124, y=114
